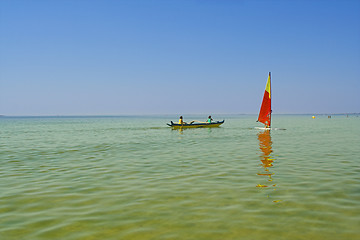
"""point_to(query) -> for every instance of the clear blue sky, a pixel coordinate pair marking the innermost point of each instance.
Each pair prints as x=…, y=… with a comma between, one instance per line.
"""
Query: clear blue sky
x=96, y=57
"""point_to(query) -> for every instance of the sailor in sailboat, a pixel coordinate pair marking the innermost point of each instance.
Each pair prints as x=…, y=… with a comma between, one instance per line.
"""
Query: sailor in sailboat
x=265, y=109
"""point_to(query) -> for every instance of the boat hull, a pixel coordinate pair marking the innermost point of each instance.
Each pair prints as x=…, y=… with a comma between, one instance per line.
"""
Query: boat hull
x=195, y=125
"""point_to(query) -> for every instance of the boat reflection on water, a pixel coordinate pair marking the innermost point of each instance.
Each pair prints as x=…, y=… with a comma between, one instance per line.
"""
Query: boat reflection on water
x=265, y=145
x=180, y=130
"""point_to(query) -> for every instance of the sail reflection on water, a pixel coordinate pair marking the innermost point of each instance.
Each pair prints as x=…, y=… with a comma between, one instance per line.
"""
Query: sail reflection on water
x=265, y=145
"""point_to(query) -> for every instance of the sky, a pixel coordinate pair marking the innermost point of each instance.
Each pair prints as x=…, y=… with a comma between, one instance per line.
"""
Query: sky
x=140, y=57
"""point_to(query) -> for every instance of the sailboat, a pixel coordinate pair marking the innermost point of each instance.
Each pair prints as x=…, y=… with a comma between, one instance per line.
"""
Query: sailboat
x=265, y=109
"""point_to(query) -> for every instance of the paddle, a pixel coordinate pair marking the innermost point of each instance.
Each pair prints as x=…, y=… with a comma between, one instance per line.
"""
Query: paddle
x=196, y=121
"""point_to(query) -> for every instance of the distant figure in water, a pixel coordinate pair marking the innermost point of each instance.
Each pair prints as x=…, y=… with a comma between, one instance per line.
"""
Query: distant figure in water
x=181, y=120
x=209, y=119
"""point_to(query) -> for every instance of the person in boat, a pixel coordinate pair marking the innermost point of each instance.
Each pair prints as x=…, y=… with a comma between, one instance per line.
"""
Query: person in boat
x=181, y=121
x=209, y=119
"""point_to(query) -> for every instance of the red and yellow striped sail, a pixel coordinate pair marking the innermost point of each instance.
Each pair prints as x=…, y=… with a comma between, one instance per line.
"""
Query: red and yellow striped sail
x=265, y=110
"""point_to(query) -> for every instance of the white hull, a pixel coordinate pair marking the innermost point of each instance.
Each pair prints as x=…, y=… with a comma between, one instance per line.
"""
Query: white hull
x=264, y=128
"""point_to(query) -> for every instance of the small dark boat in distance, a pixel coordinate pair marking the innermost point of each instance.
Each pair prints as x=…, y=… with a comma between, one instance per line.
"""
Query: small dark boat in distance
x=194, y=124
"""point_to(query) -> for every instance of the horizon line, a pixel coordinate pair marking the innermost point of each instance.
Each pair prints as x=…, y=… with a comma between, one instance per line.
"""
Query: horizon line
x=168, y=114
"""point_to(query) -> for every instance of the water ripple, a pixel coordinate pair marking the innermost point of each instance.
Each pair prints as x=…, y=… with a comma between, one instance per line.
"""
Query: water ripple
x=109, y=179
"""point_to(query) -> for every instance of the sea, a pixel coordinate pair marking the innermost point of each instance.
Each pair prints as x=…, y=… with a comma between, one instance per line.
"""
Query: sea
x=134, y=178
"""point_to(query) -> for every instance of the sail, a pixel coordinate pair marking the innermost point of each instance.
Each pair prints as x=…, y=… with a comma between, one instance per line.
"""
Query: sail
x=265, y=110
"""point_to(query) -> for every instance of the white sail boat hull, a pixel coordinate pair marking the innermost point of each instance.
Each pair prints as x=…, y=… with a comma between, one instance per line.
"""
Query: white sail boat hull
x=264, y=128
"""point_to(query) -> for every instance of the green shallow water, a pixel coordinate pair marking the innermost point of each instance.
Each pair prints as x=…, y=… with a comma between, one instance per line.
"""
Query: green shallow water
x=135, y=178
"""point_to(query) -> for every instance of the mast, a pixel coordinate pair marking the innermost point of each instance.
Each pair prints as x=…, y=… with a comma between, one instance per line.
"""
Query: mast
x=270, y=99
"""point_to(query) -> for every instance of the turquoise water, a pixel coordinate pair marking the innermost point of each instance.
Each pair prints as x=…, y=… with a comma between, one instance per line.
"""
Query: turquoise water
x=135, y=178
